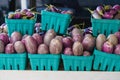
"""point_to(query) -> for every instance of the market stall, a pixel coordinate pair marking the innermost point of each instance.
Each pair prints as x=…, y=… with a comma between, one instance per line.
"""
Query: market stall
x=53, y=49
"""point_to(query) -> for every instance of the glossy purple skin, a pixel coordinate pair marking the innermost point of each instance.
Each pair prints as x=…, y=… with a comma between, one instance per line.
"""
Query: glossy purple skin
x=117, y=34
x=17, y=16
x=116, y=7
x=29, y=14
x=100, y=9
x=63, y=12
x=5, y=38
x=67, y=42
x=107, y=15
x=68, y=51
x=112, y=11
x=77, y=38
x=107, y=47
x=117, y=49
x=53, y=9
x=87, y=31
x=24, y=11
x=9, y=49
x=86, y=53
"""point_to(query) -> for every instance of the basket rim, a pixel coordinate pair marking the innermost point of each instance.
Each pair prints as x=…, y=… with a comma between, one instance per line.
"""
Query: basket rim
x=104, y=54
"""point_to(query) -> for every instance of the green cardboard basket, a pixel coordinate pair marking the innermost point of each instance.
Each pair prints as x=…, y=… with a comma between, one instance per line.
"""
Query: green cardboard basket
x=24, y=26
x=58, y=22
x=77, y=63
x=106, y=61
x=105, y=26
x=44, y=61
x=13, y=61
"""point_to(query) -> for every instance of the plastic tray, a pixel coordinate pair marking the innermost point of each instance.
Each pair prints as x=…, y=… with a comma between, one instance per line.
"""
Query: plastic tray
x=44, y=61
x=106, y=61
x=13, y=61
x=105, y=26
x=24, y=26
x=77, y=63
x=58, y=22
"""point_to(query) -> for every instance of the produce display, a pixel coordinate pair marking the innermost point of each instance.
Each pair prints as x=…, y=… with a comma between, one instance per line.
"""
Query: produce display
x=108, y=44
x=53, y=8
x=22, y=14
x=106, y=12
x=78, y=43
x=79, y=49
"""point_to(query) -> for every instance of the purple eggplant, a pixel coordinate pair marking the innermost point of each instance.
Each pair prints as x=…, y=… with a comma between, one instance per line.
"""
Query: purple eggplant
x=29, y=14
x=17, y=15
x=116, y=7
x=54, y=9
x=63, y=12
x=69, y=12
x=107, y=15
x=94, y=14
x=100, y=10
x=24, y=11
x=87, y=31
x=112, y=11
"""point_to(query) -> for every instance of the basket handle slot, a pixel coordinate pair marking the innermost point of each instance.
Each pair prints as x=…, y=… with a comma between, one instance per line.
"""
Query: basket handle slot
x=59, y=29
x=26, y=32
x=10, y=67
x=43, y=67
x=77, y=68
x=18, y=67
x=99, y=65
x=84, y=68
x=3, y=67
x=105, y=32
x=53, y=26
x=70, y=68
x=46, y=26
x=106, y=68
x=51, y=68
x=36, y=67
x=111, y=31
x=114, y=68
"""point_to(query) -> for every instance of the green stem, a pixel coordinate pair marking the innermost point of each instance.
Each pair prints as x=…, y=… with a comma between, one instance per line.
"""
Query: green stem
x=89, y=10
x=32, y=8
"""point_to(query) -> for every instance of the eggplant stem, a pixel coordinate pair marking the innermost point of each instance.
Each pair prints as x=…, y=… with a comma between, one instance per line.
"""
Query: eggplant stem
x=89, y=10
x=48, y=6
x=32, y=8
x=101, y=13
x=36, y=12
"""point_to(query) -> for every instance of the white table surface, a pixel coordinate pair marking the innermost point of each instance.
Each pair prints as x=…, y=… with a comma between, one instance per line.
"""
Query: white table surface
x=57, y=75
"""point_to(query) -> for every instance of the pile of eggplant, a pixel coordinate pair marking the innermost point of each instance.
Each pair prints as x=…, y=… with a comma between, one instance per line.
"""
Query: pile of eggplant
x=106, y=12
x=21, y=14
x=52, y=8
